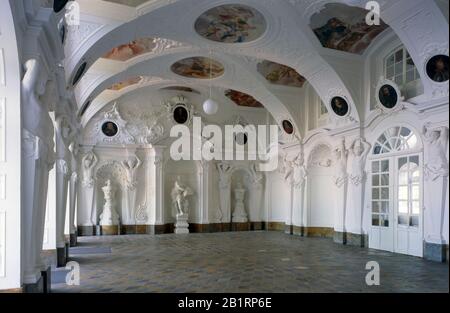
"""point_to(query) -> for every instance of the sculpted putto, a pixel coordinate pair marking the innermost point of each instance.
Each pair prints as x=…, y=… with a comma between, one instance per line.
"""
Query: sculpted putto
x=89, y=162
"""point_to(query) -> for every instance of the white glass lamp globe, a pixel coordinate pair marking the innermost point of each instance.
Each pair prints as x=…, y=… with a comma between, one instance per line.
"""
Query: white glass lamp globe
x=210, y=107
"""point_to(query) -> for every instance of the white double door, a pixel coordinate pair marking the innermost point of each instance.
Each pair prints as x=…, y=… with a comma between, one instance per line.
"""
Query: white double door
x=396, y=205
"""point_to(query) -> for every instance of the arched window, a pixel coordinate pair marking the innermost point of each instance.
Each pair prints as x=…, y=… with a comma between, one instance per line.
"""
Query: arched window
x=399, y=67
x=395, y=139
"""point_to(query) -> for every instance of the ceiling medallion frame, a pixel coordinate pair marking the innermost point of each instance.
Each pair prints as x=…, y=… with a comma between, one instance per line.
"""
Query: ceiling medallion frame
x=206, y=21
x=204, y=63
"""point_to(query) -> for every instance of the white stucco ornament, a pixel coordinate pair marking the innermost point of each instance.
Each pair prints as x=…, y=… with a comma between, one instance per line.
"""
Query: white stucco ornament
x=210, y=107
x=360, y=150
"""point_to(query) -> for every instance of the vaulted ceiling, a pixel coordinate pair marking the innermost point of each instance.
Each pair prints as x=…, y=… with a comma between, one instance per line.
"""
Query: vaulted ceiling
x=246, y=49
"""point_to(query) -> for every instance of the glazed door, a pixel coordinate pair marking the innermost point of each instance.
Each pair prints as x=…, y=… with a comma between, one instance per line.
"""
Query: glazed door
x=408, y=206
x=381, y=230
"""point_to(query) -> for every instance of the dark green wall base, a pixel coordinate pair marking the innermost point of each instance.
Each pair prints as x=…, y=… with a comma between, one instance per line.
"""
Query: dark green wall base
x=435, y=252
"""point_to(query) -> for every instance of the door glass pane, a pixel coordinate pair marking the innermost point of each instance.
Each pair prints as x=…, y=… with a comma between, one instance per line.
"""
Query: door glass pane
x=375, y=220
x=416, y=176
x=384, y=180
x=414, y=160
x=384, y=220
x=385, y=207
x=375, y=193
x=375, y=167
x=385, y=193
x=414, y=221
x=376, y=207
x=403, y=193
x=403, y=207
x=376, y=180
x=416, y=207
x=415, y=192
x=402, y=162
x=385, y=166
x=403, y=178
x=403, y=220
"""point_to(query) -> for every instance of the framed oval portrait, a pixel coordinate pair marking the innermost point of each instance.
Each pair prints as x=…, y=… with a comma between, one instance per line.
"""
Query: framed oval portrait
x=388, y=96
x=241, y=139
x=288, y=127
x=181, y=114
x=110, y=129
x=437, y=68
x=340, y=106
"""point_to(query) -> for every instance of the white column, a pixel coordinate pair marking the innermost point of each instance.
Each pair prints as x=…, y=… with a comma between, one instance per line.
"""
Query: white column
x=155, y=177
x=203, y=191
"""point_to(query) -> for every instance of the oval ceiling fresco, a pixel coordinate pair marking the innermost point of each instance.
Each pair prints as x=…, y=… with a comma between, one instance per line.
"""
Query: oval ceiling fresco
x=198, y=67
x=243, y=99
x=279, y=74
x=344, y=28
x=231, y=23
x=126, y=83
x=130, y=50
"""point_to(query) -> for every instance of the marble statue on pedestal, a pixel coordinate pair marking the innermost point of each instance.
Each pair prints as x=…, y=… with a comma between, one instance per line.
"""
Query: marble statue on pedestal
x=180, y=203
x=109, y=216
x=239, y=214
x=225, y=171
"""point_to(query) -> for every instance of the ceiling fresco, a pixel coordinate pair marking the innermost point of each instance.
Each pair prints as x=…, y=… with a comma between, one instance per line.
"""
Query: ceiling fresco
x=279, y=74
x=130, y=3
x=231, y=23
x=131, y=50
x=126, y=83
x=344, y=28
x=198, y=67
x=243, y=99
x=181, y=88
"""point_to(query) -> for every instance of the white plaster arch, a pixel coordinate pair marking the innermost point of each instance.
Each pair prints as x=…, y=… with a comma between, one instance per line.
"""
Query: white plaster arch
x=160, y=67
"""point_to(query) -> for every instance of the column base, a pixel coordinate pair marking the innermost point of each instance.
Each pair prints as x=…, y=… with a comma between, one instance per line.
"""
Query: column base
x=357, y=240
x=61, y=256
x=73, y=239
x=289, y=229
x=109, y=230
x=435, y=252
x=37, y=287
x=340, y=237
x=86, y=231
x=47, y=280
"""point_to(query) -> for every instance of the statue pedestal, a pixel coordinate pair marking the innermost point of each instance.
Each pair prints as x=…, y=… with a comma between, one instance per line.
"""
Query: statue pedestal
x=109, y=217
x=182, y=225
x=239, y=215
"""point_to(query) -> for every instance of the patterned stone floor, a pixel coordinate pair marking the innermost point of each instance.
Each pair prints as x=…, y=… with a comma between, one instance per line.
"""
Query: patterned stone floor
x=257, y=262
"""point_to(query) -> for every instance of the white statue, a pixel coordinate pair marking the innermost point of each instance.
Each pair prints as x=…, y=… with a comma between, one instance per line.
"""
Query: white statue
x=341, y=156
x=109, y=216
x=37, y=120
x=131, y=165
x=225, y=171
x=180, y=205
x=296, y=171
x=180, y=194
x=436, y=147
x=239, y=214
x=360, y=150
x=89, y=162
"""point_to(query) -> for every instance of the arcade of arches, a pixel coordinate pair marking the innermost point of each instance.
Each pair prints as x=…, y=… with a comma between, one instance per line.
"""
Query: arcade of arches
x=94, y=95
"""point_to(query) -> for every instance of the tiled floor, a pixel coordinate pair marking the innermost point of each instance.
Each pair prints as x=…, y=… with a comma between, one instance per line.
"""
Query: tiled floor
x=245, y=262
